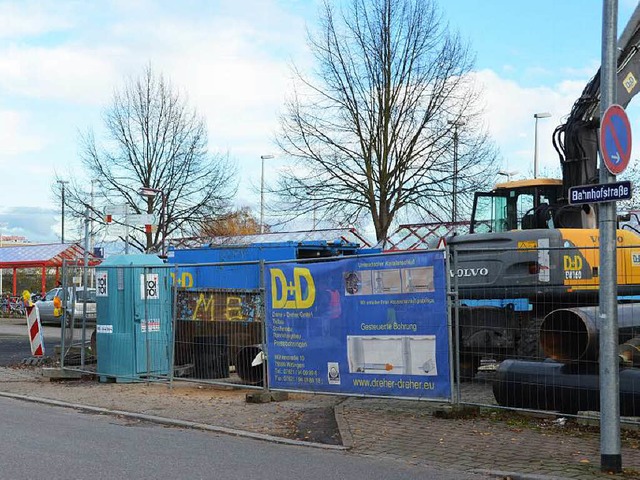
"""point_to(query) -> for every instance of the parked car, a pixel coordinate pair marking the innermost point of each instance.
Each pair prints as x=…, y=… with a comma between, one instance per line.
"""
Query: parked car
x=76, y=299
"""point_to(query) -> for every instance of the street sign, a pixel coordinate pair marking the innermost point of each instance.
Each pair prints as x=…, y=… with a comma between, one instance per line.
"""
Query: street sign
x=606, y=192
x=116, y=209
x=142, y=219
x=615, y=139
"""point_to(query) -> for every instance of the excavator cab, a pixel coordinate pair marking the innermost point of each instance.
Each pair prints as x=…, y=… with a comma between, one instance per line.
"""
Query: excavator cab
x=521, y=205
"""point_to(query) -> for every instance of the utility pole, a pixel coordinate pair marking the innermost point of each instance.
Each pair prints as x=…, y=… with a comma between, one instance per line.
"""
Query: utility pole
x=262, y=158
x=62, y=184
x=454, y=209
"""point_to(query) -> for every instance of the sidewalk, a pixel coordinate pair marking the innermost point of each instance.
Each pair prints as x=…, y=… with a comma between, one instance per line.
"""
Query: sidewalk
x=405, y=431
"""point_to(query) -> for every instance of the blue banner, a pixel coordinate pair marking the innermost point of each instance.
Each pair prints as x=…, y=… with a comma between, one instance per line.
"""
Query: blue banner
x=374, y=325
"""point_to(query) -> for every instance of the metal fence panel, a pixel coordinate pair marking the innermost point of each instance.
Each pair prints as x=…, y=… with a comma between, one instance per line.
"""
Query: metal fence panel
x=528, y=326
x=371, y=326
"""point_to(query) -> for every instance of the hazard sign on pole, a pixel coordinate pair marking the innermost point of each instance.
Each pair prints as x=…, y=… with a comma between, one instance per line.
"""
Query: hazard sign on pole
x=615, y=139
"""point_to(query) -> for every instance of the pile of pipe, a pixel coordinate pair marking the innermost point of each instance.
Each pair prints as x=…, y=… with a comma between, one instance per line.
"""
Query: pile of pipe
x=568, y=380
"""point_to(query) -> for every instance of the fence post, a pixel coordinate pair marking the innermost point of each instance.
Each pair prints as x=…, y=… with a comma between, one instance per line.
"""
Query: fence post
x=174, y=324
x=456, y=321
x=263, y=315
x=452, y=310
x=145, y=272
x=63, y=320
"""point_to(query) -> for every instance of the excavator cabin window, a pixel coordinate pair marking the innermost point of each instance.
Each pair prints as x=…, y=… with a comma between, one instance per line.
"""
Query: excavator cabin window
x=514, y=208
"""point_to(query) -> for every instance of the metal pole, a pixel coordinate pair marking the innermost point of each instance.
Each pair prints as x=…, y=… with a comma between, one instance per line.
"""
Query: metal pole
x=535, y=149
x=454, y=210
x=146, y=321
x=262, y=158
x=126, y=229
x=62, y=183
x=62, y=213
x=610, y=453
x=92, y=235
x=163, y=217
x=85, y=276
x=262, y=196
x=174, y=325
x=263, y=330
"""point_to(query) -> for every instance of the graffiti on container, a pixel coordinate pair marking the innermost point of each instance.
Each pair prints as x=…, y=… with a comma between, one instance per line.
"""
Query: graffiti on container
x=219, y=306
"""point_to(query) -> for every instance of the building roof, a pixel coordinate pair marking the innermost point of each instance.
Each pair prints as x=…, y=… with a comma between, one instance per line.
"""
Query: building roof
x=330, y=235
x=47, y=255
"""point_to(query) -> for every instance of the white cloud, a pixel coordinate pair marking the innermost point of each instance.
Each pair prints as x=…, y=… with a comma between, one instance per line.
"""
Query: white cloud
x=31, y=18
x=15, y=135
x=69, y=73
x=509, y=113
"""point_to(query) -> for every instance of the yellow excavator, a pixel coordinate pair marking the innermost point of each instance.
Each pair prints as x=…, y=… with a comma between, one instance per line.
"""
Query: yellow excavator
x=529, y=251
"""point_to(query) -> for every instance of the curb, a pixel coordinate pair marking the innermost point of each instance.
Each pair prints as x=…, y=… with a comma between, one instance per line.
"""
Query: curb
x=516, y=475
x=174, y=422
x=343, y=426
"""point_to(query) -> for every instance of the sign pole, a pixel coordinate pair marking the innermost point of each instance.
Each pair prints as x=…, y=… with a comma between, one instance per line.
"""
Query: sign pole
x=610, y=452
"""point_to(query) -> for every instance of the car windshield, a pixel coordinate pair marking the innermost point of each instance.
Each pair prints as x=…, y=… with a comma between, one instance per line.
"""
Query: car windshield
x=88, y=295
x=51, y=294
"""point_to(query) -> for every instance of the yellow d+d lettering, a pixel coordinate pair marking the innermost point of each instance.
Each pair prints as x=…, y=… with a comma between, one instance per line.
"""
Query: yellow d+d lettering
x=282, y=290
x=572, y=263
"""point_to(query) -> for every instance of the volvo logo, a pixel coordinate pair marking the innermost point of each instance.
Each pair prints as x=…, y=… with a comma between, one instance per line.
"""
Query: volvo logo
x=469, y=272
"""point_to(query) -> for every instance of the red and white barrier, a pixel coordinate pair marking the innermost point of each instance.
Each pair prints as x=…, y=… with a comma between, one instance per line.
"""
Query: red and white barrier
x=35, y=331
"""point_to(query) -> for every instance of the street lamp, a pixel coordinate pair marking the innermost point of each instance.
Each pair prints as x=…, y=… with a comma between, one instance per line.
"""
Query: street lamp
x=62, y=184
x=454, y=209
x=149, y=192
x=263, y=158
x=535, y=147
x=504, y=173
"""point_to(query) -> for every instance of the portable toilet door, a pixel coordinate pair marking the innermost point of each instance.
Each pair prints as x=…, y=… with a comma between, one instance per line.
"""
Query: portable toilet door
x=152, y=320
x=134, y=330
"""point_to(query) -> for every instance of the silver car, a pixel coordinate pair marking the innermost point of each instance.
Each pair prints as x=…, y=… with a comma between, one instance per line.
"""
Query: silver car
x=76, y=299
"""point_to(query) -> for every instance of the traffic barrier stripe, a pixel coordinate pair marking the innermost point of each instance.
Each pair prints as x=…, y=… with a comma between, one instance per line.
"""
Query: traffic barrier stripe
x=35, y=331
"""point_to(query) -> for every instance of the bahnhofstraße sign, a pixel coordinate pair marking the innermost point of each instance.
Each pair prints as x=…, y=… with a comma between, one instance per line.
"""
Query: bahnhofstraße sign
x=606, y=192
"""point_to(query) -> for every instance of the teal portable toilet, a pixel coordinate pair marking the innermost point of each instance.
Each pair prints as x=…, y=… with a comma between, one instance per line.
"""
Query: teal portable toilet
x=133, y=322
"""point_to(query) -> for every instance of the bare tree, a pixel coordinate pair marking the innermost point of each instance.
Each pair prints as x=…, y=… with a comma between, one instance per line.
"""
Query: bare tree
x=156, y=142
x=372, y=132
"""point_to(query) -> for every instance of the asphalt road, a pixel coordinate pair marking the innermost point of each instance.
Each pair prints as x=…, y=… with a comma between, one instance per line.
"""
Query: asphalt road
x=14, y=340
x=40, y=441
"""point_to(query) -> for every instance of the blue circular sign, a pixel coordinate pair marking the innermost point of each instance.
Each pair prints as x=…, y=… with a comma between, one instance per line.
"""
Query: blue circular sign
x=615, y=139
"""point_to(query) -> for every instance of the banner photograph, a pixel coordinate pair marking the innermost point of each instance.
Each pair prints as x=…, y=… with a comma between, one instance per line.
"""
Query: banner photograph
x=374, y=325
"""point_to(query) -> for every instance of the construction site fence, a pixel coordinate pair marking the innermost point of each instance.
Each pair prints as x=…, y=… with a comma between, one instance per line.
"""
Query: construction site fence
x=373, y=325
x=511, y=328
x=152, y=327
x=526, y=327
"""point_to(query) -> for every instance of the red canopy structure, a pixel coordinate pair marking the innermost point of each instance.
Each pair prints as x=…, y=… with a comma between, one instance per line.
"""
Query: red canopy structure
x=52, y=255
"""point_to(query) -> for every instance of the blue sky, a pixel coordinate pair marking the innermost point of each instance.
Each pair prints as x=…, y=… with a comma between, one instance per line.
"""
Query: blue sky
x=60, y=62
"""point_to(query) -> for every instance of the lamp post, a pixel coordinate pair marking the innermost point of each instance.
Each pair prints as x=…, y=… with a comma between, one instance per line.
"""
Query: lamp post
x=262, y=158
x=535, y=146
x=454, y=209
x=504, y=173
x=62, y=184
x=149, y=192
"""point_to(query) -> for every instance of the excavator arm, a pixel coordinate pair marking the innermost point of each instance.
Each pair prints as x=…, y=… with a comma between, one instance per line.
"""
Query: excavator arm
x=576, y=141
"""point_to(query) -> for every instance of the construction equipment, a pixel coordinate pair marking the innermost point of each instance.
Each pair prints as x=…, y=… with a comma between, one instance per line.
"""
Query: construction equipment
x=529, y=251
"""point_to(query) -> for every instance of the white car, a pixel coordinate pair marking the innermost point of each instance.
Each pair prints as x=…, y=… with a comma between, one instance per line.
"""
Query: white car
x=74, y=308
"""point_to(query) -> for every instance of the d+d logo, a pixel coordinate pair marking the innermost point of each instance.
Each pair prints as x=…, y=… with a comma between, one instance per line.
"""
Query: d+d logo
x=300, y=292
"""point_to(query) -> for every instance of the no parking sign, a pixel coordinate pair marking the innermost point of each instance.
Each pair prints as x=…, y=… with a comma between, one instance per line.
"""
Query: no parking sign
x=615, y=139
